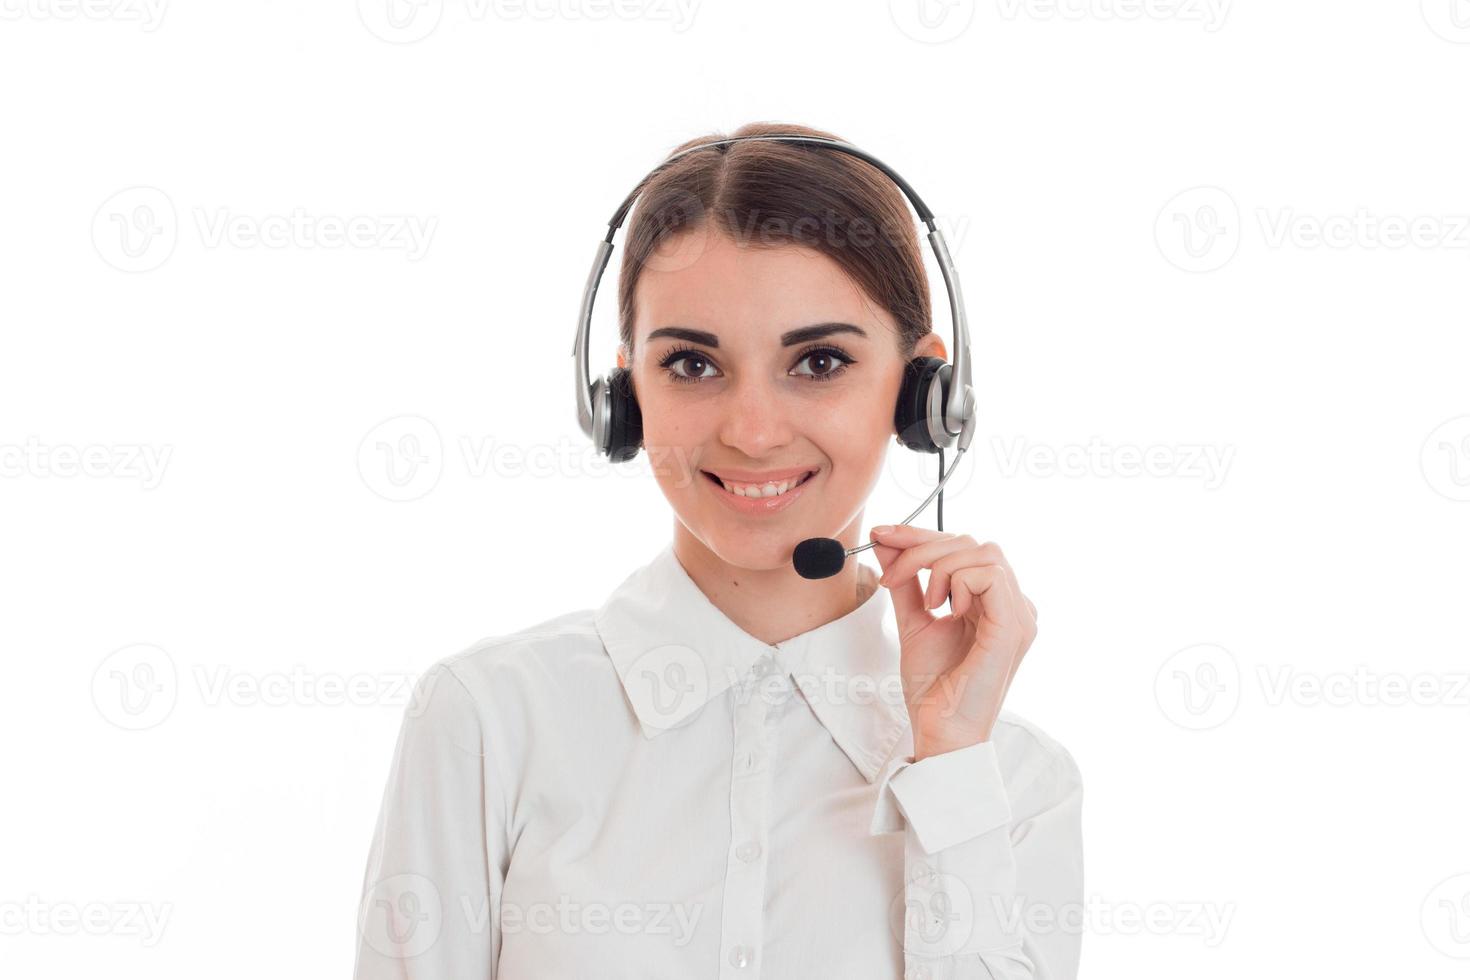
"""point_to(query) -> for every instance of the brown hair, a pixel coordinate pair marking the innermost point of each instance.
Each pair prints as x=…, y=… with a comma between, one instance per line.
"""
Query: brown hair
x=770, y=193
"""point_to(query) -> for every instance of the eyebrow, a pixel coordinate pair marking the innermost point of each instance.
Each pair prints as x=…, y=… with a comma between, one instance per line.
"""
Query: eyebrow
x=788, y=339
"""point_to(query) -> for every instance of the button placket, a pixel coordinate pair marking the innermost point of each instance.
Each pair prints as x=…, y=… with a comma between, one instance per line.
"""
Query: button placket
x=741, y=925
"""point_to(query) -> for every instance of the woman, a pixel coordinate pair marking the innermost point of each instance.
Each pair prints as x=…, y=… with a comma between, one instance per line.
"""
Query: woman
x=727, y=769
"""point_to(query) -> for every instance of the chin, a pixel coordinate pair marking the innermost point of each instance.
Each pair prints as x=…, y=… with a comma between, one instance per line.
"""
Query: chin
x=739, y=547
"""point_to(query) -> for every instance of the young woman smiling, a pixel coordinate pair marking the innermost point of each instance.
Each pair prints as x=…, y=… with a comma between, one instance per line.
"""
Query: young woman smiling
x=728, y=770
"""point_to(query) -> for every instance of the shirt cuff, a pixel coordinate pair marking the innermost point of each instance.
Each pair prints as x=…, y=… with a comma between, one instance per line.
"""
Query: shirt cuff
x=946, y=798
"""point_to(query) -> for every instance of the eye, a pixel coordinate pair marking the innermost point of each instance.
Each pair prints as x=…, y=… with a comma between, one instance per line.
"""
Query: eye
x=828, y=362
x=686, y=356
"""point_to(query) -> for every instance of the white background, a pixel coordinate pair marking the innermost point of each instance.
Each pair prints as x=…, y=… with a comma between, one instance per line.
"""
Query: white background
x=1191, y=230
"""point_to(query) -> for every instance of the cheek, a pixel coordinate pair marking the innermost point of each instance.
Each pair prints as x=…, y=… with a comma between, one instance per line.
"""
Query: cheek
x=856, y=429
x=671, y=421
x=673, y=440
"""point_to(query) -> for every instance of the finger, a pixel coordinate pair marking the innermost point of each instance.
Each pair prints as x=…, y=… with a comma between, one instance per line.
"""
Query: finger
x=984, y=587
x=940, y=572
x=1025, y=610
x=923, y=554
x=908, y=598
x=906, y=535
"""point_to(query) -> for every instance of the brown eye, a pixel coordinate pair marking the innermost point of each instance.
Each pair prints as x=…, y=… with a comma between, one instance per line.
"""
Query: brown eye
x=693, y=365
x=826, y=363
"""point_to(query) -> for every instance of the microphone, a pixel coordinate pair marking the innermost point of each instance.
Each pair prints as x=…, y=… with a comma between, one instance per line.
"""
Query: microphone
x=824, y=557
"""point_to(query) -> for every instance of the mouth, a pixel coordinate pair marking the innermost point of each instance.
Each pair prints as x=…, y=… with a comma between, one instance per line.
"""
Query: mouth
x=759, y=490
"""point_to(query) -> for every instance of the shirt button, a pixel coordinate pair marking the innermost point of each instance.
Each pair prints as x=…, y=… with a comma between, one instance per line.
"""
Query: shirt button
x=740, y=957
x=747, y=761
x=748, y=851
x=919, y=972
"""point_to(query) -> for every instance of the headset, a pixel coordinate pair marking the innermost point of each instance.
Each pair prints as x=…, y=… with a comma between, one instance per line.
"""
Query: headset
x=932, y=411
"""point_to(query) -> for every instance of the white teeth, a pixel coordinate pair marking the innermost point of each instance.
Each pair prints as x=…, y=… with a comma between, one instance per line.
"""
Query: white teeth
x=761, y=489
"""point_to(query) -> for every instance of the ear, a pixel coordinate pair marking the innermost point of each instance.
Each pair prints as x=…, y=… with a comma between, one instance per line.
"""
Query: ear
x=623, y=362
x=931, y=345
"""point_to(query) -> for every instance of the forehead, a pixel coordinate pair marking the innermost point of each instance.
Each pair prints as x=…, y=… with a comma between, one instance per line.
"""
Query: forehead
x=736, y=290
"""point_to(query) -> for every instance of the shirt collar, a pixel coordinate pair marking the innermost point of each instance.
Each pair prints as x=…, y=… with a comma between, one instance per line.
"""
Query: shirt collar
x=675, y=651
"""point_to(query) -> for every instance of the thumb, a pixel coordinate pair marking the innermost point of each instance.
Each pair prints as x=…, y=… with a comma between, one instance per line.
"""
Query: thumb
x=908, y=598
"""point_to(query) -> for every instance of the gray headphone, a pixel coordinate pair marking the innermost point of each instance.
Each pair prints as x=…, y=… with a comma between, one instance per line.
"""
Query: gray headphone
x=931, y=414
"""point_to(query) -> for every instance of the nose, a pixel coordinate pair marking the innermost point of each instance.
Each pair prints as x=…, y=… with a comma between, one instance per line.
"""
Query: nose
x=756, y=418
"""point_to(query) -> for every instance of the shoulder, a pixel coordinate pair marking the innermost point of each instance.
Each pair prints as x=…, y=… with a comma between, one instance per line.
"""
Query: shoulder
x=1031, y=759
x=511, y=674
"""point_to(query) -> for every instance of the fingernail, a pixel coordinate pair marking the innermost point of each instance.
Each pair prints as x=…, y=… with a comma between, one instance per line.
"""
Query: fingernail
x=883, y=529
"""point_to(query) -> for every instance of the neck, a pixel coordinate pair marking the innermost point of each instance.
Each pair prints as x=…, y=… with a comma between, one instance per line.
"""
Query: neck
x=775, y=604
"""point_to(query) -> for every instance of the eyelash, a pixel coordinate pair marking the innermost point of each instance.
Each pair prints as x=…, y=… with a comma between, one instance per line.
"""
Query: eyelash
x=678, y=354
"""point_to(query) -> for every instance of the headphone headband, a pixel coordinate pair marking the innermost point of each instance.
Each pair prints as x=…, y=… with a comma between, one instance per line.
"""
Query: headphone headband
x=594, y=401
x=920, y=207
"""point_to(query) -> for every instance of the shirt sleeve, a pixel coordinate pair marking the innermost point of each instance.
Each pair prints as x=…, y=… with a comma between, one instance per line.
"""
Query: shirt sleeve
x=431, y=892
x=992, y=882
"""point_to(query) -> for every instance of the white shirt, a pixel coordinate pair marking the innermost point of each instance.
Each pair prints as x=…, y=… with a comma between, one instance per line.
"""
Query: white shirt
x=647, y=791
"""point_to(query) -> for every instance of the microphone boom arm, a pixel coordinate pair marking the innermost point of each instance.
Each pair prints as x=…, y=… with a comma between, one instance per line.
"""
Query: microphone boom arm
x=962, y=445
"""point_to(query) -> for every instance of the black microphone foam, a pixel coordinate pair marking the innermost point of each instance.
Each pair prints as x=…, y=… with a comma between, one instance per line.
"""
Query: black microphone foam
x=819, y=557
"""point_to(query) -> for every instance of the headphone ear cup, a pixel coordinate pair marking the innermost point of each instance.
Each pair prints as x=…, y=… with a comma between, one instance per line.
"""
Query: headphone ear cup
x=911, y=415
x=625, y=424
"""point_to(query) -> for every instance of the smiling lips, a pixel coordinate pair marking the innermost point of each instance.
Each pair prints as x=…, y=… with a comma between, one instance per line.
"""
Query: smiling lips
x=759, y=493
x=770, y=486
